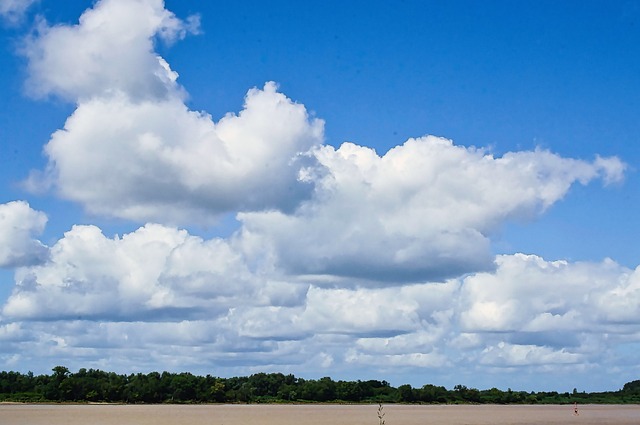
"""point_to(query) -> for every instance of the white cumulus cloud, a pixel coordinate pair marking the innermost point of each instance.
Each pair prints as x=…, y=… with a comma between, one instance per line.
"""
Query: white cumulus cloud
x=19, y=225
x=423, y=211
x=132, y=149
x=527, y=293
x=159, y=161
x=109, y=51
x=155, y=271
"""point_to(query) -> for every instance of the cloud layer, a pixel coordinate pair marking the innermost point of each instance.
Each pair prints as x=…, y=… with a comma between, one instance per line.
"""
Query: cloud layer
x=345, y=260
x=161, y=287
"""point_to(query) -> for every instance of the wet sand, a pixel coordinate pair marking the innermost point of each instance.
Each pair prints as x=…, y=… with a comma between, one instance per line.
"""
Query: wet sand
x=41, y=414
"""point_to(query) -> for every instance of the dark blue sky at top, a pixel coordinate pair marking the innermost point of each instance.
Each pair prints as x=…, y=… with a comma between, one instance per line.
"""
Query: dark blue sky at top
x=500, y=73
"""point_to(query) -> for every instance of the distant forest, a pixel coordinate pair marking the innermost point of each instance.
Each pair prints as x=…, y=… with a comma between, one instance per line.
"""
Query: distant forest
x=98, y=386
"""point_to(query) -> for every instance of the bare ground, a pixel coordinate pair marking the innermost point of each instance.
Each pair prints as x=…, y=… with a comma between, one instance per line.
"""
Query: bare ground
x=41, y=414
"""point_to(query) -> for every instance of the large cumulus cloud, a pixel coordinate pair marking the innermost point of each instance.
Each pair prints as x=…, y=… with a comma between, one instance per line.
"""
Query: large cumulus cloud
x=132, y=148
x=422, y=211
x=160, y=161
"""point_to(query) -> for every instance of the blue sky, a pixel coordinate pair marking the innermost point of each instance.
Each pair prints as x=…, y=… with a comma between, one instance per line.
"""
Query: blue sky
x=418, y=192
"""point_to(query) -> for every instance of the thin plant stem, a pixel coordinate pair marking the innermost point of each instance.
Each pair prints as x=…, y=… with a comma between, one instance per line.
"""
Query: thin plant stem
x=381, y=414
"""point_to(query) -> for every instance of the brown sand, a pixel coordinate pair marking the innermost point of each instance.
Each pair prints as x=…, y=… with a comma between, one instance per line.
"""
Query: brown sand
x=41, y=414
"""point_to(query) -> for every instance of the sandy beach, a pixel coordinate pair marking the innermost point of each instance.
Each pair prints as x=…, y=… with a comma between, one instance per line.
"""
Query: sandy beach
x=51, y=414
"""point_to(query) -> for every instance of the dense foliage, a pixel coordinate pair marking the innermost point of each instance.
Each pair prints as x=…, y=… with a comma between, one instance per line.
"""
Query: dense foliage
x=99, y=386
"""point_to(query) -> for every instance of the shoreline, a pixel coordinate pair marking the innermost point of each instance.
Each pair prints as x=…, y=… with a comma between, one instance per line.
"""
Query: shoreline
x=299, y=403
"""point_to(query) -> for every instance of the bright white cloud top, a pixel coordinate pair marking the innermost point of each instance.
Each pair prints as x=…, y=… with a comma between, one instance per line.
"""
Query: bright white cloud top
x=345, y=262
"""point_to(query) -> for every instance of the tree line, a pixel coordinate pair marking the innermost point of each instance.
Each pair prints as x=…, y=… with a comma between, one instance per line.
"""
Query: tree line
x=92, y=385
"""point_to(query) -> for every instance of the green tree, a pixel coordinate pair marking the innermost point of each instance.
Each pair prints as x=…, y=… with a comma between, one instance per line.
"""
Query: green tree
x=406, y=394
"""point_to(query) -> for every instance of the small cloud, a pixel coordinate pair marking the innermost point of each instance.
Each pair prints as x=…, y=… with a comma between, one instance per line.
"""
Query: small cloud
x=13, y=11
x=19, y=224
x=612, y=169
x=109, y=52
x=508, y=355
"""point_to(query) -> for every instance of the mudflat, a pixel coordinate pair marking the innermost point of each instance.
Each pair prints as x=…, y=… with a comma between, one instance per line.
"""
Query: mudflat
x=53, y=414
